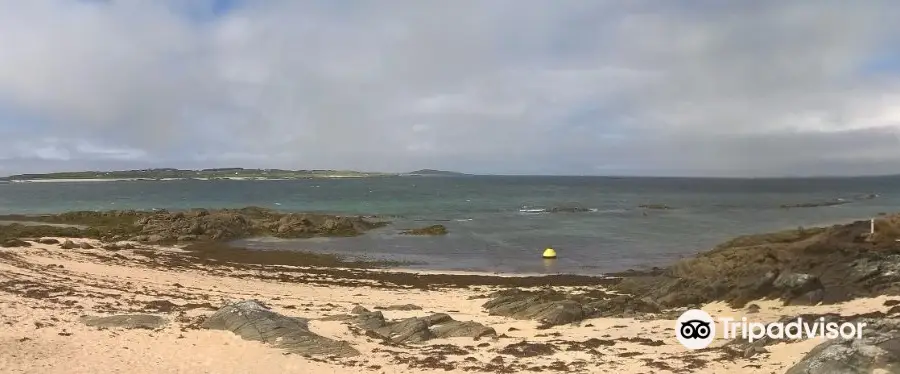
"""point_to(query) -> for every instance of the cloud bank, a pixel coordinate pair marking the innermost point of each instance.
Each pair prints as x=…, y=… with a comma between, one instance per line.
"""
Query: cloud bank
x=499, y=86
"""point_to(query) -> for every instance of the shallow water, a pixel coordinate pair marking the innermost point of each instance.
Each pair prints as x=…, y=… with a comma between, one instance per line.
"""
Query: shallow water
x=495, y=223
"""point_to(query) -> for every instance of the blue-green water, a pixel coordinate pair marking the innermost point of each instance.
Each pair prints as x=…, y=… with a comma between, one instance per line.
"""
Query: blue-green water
x=490, y=226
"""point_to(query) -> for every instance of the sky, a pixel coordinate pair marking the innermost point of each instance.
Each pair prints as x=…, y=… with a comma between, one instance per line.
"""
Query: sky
x=668, y=87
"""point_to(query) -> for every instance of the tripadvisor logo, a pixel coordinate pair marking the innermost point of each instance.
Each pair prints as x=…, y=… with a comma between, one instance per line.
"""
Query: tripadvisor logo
x=696, y=329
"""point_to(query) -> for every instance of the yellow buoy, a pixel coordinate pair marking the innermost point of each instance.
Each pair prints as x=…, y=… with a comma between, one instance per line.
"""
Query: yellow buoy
x=549, y=253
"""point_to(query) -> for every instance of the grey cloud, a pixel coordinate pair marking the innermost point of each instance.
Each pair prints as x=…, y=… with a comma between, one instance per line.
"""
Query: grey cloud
x=747, y=88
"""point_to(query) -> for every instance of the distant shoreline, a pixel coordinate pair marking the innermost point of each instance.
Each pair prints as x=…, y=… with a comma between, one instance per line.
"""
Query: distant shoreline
x=212, y=174
x=75, y=180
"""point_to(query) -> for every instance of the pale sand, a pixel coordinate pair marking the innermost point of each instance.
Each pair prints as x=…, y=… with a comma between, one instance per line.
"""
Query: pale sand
x=97, y=285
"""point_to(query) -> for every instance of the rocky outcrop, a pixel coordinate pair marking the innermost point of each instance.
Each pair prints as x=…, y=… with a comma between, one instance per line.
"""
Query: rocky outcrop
x=816, y=204
x=231, y=224
x=415, y=329
x=191, y=225
x=877, y=351
x=12, y=243
x=799, y=267
x=429, y=230
x=552, y=308
x=251, y=320
x=127, y=321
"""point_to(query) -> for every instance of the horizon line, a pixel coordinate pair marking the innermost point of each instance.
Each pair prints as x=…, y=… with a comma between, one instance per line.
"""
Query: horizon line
x=466, y=174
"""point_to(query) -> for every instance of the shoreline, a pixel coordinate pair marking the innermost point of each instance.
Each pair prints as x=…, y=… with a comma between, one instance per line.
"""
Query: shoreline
x=396, y=320
x=96, y=180
x=38, y=220
x=63, y=285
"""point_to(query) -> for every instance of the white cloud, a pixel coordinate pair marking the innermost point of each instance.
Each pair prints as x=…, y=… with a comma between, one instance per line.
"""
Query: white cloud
x=766, y=87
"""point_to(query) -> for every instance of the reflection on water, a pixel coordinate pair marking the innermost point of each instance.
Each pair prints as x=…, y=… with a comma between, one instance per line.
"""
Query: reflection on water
x=550, y=266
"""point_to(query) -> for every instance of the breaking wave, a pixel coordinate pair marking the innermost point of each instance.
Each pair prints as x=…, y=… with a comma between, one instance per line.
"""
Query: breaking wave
x=559, y=209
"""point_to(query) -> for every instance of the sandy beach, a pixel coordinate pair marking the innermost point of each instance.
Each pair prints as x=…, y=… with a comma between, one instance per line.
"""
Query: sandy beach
x=46, y=290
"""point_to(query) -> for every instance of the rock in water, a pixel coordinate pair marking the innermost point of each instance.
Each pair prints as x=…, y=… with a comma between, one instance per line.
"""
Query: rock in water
x=127, y=321
x=429, y=230
x=251, y=320
x=877, y=351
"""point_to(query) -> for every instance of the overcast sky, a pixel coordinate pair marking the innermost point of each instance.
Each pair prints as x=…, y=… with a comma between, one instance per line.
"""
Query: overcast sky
x=752, y=88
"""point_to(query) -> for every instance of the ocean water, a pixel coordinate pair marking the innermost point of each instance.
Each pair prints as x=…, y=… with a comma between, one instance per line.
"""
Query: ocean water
x=496, y=223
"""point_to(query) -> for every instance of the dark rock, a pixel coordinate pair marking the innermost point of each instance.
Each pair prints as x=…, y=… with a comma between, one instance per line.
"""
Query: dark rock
x=163, y=226
x=411, y=330
x=429, y=230
x=405, y=307
x=552, y=308
x=128, y=321
x=68, y=244
x=456, y=329
x=12, y=243
x=655, y=206
x=48, y=241
x=548, y=307
x=416, y=329
x=877, y=351
x=815, y=204
x=813, y=297
x=803, y=266
x=799, y=288
x=251, y=320
x=362, y=318
x=85, y=245
x=566, y=209
x=752, y=309
x=437, y=318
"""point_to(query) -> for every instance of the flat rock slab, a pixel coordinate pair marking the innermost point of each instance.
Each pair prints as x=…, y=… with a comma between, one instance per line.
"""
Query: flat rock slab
x=405, y=307
x=252, y=320
x=127, y=321
x=552, y=308
x=415, y=329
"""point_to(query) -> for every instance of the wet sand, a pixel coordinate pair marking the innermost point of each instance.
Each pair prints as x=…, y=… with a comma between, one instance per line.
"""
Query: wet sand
x=44, y=291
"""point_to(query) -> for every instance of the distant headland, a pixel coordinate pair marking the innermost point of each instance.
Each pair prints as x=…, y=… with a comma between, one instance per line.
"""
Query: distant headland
x=214, y=174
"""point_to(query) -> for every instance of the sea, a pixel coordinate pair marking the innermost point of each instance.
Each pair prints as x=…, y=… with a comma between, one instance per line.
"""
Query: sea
x=501, y=224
